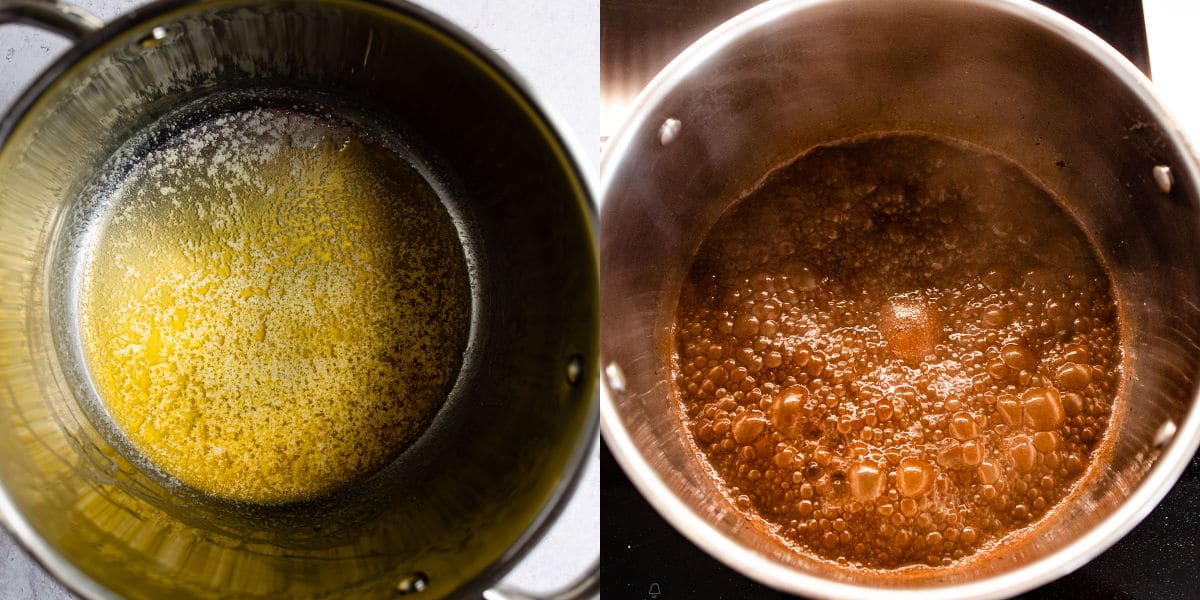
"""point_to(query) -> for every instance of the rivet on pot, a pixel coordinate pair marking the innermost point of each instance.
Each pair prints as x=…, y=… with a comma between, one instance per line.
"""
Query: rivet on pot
x=412, y=584
x=1164, y=178
x=154, y=38
x=616, y=378
x=574, y=369
x=669, y=131
x=1165, y=432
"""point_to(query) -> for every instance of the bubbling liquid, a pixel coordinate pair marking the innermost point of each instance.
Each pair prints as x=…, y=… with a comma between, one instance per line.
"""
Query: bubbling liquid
x=897, y=351
x=277, y=307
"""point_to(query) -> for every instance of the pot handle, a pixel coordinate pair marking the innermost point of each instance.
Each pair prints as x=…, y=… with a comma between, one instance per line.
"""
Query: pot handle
x=54, y=16
x=585, y=587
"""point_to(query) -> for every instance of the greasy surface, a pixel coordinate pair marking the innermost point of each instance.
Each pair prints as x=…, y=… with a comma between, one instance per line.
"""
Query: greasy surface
x=277, y=307
x=896, y=353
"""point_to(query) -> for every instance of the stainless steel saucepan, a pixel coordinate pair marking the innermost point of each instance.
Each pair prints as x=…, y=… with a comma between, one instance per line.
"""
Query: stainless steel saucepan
x=457, y=509
x=1006, y=75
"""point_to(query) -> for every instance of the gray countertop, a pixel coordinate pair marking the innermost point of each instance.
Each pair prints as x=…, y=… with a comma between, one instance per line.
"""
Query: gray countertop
x=554, y=45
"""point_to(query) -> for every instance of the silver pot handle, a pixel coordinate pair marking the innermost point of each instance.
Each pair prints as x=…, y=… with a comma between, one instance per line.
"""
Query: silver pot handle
x=586, y=587
x=51, y=15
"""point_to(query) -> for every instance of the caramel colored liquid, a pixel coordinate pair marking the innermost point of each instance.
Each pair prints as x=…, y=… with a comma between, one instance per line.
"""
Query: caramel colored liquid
x=897, y=352
x=276, y=308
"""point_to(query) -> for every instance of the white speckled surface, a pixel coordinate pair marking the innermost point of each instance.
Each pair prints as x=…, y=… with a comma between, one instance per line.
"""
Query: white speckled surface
x=555, y=46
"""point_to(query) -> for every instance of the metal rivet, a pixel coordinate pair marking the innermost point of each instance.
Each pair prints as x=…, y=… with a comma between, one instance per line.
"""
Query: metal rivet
x=574, y=369
x=669, y=131
x=413, y=583
x=1166, y=431
x=154, y=38
x=616, y=378
x=1163, y=177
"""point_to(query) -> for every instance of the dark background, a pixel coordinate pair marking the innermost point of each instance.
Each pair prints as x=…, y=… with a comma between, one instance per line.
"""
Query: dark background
x=1159, y=559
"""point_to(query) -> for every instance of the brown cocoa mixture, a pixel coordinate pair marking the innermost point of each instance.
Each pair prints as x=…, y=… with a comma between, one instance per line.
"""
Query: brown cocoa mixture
x=897, y=351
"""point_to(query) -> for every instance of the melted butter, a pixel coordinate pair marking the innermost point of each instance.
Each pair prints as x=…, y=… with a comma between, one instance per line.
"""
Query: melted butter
x=276, y=309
